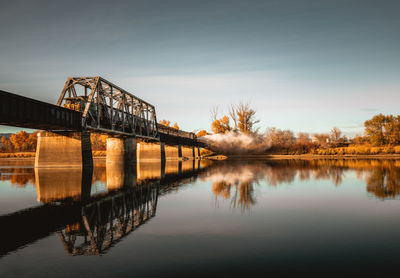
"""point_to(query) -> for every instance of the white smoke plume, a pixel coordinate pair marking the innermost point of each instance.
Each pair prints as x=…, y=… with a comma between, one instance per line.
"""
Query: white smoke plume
x=237, y=143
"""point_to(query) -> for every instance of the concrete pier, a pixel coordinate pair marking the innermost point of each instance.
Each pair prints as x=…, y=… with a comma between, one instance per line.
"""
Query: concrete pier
x=196, y=152
x=188, y=152
x=173, y=152
x=149, y=152
x=66, y=150
x=121, y=150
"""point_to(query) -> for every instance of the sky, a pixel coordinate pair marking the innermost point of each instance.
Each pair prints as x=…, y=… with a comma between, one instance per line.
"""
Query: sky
x=302, y=65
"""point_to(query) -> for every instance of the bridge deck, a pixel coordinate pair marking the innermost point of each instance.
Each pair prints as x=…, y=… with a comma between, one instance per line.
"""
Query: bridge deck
x=25, y=112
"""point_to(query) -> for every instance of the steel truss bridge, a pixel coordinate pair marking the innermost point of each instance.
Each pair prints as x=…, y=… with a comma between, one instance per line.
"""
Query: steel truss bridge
x=91, y=104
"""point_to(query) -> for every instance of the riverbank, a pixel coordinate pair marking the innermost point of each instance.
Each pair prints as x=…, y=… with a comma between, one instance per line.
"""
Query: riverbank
x=314, y=156
x=33, y=154
x=101, y=155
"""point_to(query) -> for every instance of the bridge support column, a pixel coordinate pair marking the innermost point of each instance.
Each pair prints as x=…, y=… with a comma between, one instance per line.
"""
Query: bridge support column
x=121, y=151
x=66, y=150
x=173, y=152
x=188, y=152
x=196, y=152
x=150, y=151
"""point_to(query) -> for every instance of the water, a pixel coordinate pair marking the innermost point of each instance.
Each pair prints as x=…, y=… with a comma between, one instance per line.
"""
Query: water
x=197, y=218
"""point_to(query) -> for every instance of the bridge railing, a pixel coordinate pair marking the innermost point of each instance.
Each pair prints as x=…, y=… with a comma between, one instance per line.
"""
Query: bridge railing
x=175, y=132
x=21, y=111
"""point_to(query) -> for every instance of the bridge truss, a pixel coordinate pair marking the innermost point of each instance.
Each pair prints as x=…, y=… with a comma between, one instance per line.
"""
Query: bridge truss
x=107, y=108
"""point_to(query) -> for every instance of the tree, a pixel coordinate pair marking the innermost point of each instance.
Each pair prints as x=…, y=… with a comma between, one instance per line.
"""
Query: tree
x=359, y=139
x=322, y=139
x=245, y=117
x=32, y=141
x=280, y=138
x=392, y=130
x=6, y=144
x=221, y=125
x=374, y=130
x=335, y=136
x=175, y=126
x=20, y=141
x=303, y=138
x=201, y=133
x=232, y=114
x=164, y=122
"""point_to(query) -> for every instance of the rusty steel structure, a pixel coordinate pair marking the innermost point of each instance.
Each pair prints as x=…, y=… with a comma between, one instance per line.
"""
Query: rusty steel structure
x=21, y=111
x=105, y=107
x=96, y=105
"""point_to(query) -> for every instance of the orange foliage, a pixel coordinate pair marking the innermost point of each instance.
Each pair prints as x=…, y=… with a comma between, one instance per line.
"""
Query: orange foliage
x=201, y=133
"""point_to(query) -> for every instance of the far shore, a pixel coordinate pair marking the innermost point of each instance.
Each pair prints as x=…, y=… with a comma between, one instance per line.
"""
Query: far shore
x=31, y=156
x=313, y=156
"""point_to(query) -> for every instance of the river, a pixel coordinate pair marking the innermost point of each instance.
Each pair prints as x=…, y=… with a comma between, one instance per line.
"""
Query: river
x=201, y=218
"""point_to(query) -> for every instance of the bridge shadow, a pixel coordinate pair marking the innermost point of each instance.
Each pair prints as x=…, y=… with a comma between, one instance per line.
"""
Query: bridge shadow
x=90, y=222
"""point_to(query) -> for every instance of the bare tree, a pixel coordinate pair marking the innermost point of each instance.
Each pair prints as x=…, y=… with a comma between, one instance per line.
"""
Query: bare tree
x=335, y=134
x=303, y=137
x=245, y=117
x=232, y=114
x=214, y=113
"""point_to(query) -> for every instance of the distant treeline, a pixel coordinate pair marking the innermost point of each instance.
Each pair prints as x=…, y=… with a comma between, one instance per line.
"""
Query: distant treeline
x=381, y=135
x=26, y=142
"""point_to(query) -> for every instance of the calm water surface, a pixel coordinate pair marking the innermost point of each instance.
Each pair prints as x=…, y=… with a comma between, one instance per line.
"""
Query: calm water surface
x=197, y=218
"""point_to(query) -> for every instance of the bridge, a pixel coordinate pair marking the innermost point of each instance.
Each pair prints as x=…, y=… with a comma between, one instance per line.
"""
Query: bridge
x=93, y=104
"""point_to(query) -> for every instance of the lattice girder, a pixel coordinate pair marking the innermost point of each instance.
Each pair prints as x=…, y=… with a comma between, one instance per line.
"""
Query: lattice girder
x=107, y=108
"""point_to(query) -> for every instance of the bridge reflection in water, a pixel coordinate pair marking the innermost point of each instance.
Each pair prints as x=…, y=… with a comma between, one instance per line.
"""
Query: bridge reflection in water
x=90, y=219
x=89, y=222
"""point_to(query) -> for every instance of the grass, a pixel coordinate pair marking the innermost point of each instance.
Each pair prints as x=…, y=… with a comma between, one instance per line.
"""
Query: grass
x=359, y=150
x=32, y=154
x=19, y=154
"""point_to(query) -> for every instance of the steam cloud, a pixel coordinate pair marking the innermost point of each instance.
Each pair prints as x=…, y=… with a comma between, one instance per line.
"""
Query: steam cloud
x=237, y=143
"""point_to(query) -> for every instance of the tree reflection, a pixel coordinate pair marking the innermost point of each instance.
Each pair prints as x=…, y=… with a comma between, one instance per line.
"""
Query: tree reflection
x=235, y=181
x=19, y=177
x=384, y=182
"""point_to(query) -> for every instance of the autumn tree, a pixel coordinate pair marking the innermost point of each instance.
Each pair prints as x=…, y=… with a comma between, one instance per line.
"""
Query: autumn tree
x=303, y=137
x=335, y=137
x=175, y=126
x=392, y=130
x=322, y=139
x=245, y=117
x=201, y=133
x=20, y=141
x=281, y=138
x=242, y=115
x=374, y=130
x=6, y=145
x=335, y=134
x=358, y=139
x=221, y=125
x=165, y=122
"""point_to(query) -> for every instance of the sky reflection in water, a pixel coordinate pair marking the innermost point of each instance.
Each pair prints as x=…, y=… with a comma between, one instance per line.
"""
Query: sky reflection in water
x=199, y=217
